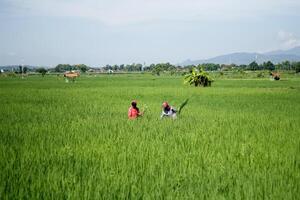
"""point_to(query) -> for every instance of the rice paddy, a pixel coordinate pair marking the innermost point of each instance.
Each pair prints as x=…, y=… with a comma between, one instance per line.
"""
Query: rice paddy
x=239, y=139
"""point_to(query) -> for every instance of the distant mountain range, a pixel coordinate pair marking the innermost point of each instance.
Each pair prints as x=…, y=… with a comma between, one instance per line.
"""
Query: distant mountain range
x=246, y=58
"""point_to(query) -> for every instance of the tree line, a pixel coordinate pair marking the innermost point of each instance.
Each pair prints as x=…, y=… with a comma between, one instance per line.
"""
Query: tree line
x=161, y=67
x=156, y=69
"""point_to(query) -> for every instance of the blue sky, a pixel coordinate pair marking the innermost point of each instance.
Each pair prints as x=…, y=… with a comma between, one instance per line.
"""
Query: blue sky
x=98, y=32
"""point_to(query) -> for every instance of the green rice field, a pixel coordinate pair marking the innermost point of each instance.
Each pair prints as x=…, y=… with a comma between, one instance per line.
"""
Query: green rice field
x=239, y=139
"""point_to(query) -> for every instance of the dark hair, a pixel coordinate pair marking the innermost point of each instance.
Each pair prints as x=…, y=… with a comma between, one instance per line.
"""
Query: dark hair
x=167, y=109
x=133, y=104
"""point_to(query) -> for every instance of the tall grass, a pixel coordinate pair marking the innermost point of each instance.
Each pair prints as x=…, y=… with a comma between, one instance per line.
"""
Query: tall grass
x=238, y=139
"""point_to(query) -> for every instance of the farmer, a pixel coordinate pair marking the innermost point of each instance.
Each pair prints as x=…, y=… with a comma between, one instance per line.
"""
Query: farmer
x=168, y=111
x=134, y=111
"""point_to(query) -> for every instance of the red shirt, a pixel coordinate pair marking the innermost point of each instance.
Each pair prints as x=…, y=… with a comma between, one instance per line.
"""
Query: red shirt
x=133, y=113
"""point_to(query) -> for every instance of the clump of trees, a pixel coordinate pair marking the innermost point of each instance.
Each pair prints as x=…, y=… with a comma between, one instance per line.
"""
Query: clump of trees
x=67, y=67
x=129, y=67
x=21, y=70
x=253, y=66
x=198, y=77
x=297, y=67
x=42, y=71
x=156, y=69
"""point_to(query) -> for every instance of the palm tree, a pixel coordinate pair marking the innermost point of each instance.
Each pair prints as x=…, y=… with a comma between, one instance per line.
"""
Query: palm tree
x=198, y=78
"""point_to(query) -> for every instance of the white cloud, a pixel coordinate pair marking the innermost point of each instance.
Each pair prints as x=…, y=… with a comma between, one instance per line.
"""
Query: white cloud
x=288, y=39
x=116, y=12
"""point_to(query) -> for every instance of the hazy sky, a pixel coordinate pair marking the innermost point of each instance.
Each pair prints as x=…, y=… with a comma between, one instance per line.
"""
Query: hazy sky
x=98, y=32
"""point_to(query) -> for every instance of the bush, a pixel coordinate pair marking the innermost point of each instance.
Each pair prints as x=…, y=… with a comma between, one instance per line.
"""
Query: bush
x=198, y=78
x=260, y=75
x=41, y=70
x=11, y=74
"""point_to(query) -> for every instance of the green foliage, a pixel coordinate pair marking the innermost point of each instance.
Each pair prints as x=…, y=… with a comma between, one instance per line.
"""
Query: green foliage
x=268, y=66
x=156, y=71
x=209, y=67
x=42, y=71
x=228, y=67
x=82, y=67
x=162, y=67
x=10, y=74
x=134, y=67
x=297, y=67
x=68, y=67
x=63, y=68
x=260, y=75
x=25, y=69
x=20, y=69
x=130, y=67
x=182, y=105
x=198, y=77
x=253, y=66
x=286, y=65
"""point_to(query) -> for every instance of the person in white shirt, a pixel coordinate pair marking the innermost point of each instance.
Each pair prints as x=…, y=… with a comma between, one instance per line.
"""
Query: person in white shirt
x=168, y=111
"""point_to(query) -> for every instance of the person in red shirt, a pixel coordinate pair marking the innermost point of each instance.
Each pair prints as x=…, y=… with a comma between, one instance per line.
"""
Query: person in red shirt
x=134, y=111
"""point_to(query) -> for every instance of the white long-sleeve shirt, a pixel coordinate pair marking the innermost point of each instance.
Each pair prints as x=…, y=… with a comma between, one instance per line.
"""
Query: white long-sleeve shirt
x=169, y=113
